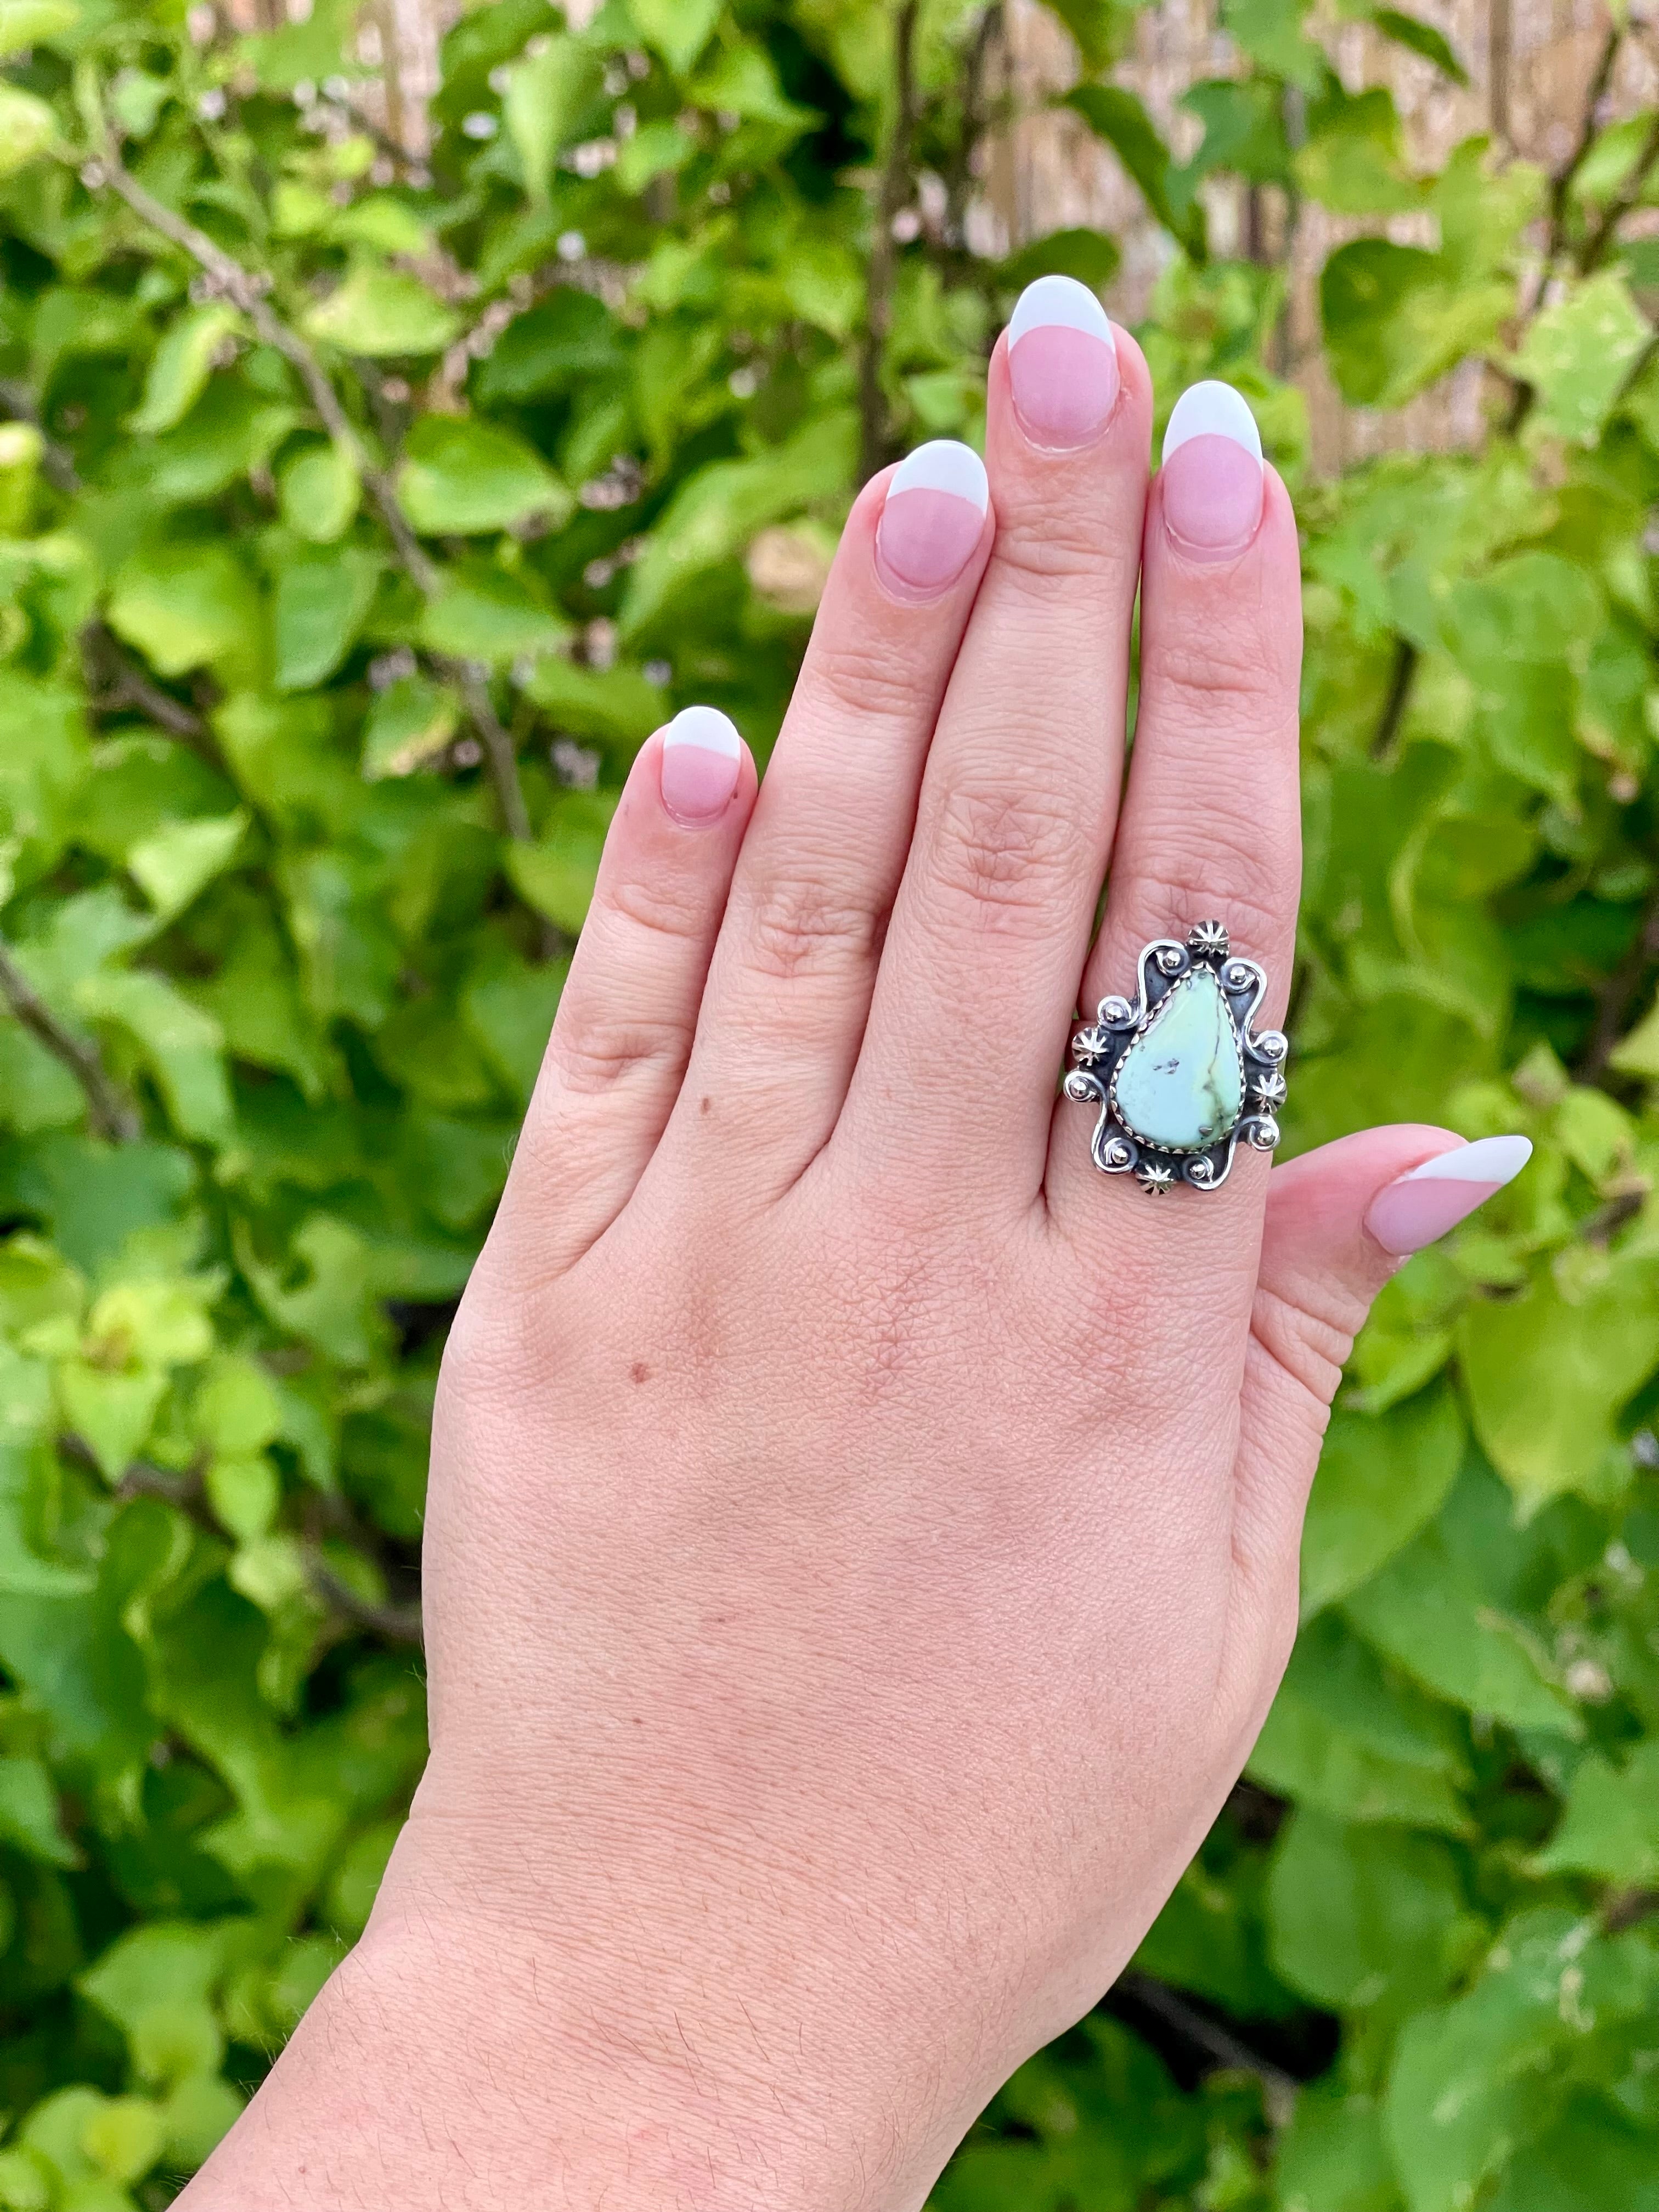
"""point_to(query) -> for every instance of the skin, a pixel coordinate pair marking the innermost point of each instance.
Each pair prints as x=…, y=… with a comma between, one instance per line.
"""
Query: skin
x=862, y=1539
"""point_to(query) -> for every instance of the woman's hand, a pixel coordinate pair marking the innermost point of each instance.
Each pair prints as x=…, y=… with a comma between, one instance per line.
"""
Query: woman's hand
x=862, y=1539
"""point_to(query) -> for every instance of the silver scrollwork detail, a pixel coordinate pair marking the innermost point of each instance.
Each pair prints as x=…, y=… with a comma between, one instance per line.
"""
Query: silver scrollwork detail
x=1099, y=1047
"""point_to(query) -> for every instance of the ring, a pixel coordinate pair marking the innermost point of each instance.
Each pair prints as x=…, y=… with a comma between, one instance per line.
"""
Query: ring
x=1180, y=1077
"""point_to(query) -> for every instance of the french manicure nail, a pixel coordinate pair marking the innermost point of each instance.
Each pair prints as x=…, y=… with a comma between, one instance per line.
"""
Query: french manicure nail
x=1421, y=1206
x=1212, y=476
x=702, y=760
x=1062, y=363
x=934, y=518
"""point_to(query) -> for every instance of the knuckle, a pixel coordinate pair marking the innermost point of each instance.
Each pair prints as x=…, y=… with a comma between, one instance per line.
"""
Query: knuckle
x=600, y=1054
x=1231, y=667
x=1310, y=1348
x=1000, y=851
x=666, y=905
x=1034, y=553
x=863, y=675
x=800, y=928
x=1250, y=885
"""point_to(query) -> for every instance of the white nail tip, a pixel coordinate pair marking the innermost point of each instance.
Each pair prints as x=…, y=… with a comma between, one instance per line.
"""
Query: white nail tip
x=1496, y=1160
x=706, y=728
x=943, y=464
x=1211, y=410
x=1058, y=303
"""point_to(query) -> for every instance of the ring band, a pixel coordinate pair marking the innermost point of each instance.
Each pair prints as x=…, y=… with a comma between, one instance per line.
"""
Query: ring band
x=1180, y=1077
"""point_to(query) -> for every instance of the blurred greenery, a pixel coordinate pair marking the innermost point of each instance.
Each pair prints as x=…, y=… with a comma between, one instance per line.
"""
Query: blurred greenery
x=359, y=519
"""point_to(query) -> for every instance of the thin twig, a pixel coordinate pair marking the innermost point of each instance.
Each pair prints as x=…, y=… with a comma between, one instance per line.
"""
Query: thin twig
x=1560, y=199
x=884, y=251
x=1218, y=2045
x=393, y=1624
x=1616, y=997
x=124, y=684
x=1622, y=202
x=247, y=292
x=1401, y=679
x=498, y=751
x=112, y=1115
x=18, y=402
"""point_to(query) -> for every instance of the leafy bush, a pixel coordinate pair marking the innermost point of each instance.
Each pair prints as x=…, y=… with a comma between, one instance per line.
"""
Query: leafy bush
x=360, y=520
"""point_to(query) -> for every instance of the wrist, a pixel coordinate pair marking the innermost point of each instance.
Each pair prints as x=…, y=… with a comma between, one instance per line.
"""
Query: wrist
x=467, y=2043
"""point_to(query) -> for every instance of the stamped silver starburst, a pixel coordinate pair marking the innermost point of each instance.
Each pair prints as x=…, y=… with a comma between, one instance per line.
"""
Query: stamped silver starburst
x=1208, y=940
x=1154, y=1181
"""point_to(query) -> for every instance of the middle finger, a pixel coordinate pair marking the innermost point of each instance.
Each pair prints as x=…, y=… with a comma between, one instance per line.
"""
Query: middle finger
x=979, y=973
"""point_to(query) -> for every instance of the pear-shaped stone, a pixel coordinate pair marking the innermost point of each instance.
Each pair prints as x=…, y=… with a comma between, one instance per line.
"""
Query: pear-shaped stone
x=1181, y=1084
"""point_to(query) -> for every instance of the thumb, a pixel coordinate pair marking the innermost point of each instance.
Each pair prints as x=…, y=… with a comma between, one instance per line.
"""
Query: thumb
x=1340, y=1222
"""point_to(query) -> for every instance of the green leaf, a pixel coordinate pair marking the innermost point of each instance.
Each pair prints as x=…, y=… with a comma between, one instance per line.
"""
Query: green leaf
x=1577, y=354
x=483, y=613
x=182, y=365
x=28, y=129
x=411, y=722
x=1547, y=1374
x=678, y=30
x=1359, y=1916
x=24, y=23
x=1089, y=256
x=1438, y=1623
x=321, y=489
x=183, y=1047
x=1270, y=31
x=30, y=1819
x=717, y=512
x=557, y=875
x=1420, y=38
x=186, y=606
x=1117, y=116
x=462, y=477
x=1611, y=1825
x=544, y=98
x=1381, y=1479
x=157, y=1983
x=1395, y=318
x=1331, y=2158
x=322, y=601
x=1349, y=1737
x=110, y=1410
x=381, y=313
x=172, y=865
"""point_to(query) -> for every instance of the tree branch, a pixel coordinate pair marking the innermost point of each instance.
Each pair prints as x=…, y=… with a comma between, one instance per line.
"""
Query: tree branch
x=393, y=1624
x=1616, y=997
x=1402, y=677
x=1560, y=199
x=17, y=402
x=112, y=1115
x=1217, y=2046
x=884, y=250
x=247, y=292
x=129, y=686
x=1620, y=204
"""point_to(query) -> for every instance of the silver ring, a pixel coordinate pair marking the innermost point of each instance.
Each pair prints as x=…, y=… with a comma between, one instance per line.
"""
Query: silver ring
x=1180, y=1077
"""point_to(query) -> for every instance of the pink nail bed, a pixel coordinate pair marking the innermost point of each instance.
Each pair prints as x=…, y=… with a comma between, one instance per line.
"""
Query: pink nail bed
x=1421, y=1207
x=1062, y=364
x=1211, y=473
x=702, y=760
x=932, y=520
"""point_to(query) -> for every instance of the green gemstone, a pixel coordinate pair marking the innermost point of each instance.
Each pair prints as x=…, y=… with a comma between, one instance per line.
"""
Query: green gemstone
x=1181, y=1084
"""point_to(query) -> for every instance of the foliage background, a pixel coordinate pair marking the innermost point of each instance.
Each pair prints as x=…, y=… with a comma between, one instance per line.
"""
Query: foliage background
x=358, y=520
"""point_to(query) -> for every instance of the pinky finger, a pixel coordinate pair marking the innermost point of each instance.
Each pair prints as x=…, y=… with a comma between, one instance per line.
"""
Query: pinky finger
x=618, y=1051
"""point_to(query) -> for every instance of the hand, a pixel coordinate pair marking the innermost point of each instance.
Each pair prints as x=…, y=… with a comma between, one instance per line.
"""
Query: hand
x=862, y=1539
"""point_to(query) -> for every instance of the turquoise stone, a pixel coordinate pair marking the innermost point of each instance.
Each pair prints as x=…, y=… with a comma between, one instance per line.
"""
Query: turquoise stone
x=1181, y=1084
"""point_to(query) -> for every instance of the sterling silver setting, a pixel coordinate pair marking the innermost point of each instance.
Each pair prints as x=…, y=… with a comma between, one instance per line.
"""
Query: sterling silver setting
x=1098, y=1049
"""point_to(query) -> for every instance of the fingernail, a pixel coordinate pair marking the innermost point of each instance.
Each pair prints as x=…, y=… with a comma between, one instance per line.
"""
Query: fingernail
x=934, y=518
x=702, y=760
x=1445, y=1190
x=1211, y=476
x=1062, y=363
